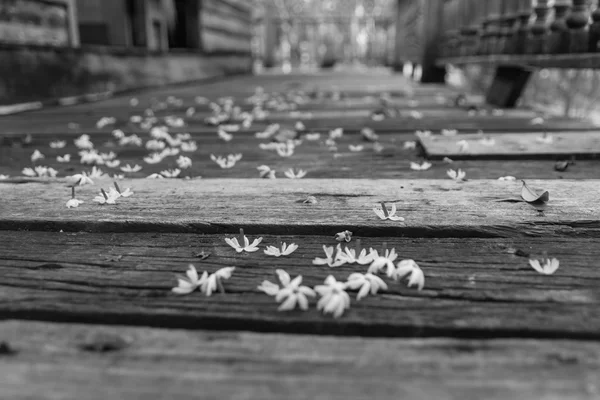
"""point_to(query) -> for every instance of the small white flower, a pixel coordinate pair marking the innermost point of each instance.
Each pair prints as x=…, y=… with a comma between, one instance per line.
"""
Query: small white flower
x=74, y=203
x=285, y=149
x=155, y=145
x=356, y=148
x=184, y=162
x=537, y=121
x=96, y=173
x=385, y=260
x=265, y=172
x=118, y=176
x=268, y=132
x=155, y=176
x=171, y=173
x=336, y=133
x=113, y=163
x=90, y=157
x=183, y=136
x=463, y=146
x=290, y=294
x=546, y=138
x=129, y=168
x=230, y=127
x=247, y=247
x=108, y=156
x=223, y=134
x=447, y=160
x=487, y=141
x=4, y=177
x=123, y=193
x=105, y=121
x=83, y=142
x=169, y=152
x=282, y=250
x=310, y=200
x=409, y=267
x=213, y=282
x=423, y=133
x=409, y=145
x=186, y=285
x=312, y=136
x=416, y=114
x=190, y=112
x=548, y=267
x=369, y=134
x=105, y=198
x=63, y=159
x=298, y=174
x=134, y=140
x=189, y=146
x=45, y=172
x=507, y=178
x=343, y=236
x=80, y=179
x=223, y=162
x=153, y=158
x=368, y=283
x=329, y=259
x=37, y=155
x=457, y=175
x=118, y=134
x=133, y=102
x=420, y=167
x=299, y=126
x=334, y=299
x=58, y=144
x=29, y=172
x=384, y=214
x=449, y=132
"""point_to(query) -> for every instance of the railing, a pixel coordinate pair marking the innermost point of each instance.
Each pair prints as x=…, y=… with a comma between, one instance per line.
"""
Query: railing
x=521, y=32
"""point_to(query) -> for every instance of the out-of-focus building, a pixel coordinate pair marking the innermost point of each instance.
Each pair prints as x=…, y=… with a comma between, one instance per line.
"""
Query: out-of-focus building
x=58, y=48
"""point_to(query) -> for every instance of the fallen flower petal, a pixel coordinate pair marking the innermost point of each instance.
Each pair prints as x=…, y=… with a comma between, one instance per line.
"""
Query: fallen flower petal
x=547, y=266
x=411, y=268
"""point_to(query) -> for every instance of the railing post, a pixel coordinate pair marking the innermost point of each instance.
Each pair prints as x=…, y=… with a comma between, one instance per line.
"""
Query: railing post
x=270, y=36
x=559, y=31
x=511, y=8
x=594, y=34
x=432, y=33
x=539, y=29
x=577, y=21
x=399, y=39
x=522, y=27
x=470, y=30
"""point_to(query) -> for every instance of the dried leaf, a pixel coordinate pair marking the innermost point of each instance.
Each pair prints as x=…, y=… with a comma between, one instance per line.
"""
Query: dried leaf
x=531, y=196
x=561, y=165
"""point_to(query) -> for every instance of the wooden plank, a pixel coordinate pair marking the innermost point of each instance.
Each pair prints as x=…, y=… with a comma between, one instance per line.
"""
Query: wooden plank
x=474, y=288
x=432, y=208
x=312, y=156
x=571, y=60
x=514, y=145
x=181, y=364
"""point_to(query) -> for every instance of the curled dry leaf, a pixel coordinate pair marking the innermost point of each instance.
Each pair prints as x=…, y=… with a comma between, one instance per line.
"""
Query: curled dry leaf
x=531, y=196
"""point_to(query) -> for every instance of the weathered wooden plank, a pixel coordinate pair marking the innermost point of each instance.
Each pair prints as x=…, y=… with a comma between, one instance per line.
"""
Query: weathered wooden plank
x=571, y=60
x=431, y=207
x=509, y=145
x=312, y=156
x=181, y=364
x=473, y=287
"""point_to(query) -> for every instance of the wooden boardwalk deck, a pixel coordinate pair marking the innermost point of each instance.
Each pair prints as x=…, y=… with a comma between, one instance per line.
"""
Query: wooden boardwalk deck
x=85, y=297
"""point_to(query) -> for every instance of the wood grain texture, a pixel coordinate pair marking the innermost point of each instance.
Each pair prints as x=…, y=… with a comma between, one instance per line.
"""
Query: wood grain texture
x=474, y=288
x=514, y=145
x=439, y=208
x=187, y=365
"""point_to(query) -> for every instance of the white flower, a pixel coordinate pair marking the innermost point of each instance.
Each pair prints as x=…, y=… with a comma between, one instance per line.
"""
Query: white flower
x=96, y=173
x=369, y=134
x=153, y=158
x=133, y=140
x=186, y=285
x=133, y=102
x=183, y=136
x=159, y=132
x=411, y=144
x=230, y=127
x=285, y=149
x=298, y=174
x=155, y=145
x=290, y=294
x=449, y=132
x=37, y=155
x=447, y=160
x=384, y=214
x=190, y=112
x=184, y=162
x=356, y=148
x=118, y=176
x=136, y=119
x=385, y=260
x=310, y=200
x=420, y=167
x=463, y=146
x=546, y=138
x=416, y=114
x=119, y=134
x=487, y=141
x=29, y=172
x=507, y=178
x=105, y=198
x=350, y=255
x=58, y=144
x=329, y=259
x=343, y=236
x=265, y=172
x=122, y=193
x=299, y=126
x=457, y=175
x=83, y=142
x=368, y=283
x=223, y=134
x=213, y=282
x=129, y=168
x=90, y=157
x=80, y=179
x=247, y=247
x=334, y=299
x=63, y=159
x=45, y=172
x=189, y=146
x=73, y=203
x=171, y=173
x=169, y=152
x=423, y=133
x=282, y=250
x=223, y=162
x=312, y=136
x=409, y=267
x=113, y=163
x=175, y=122
x=155, y=176
x=104, y=121
x=548, y=268
x=108, y=156
x=537, y=121
x=4, y=177
x=336, y=133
